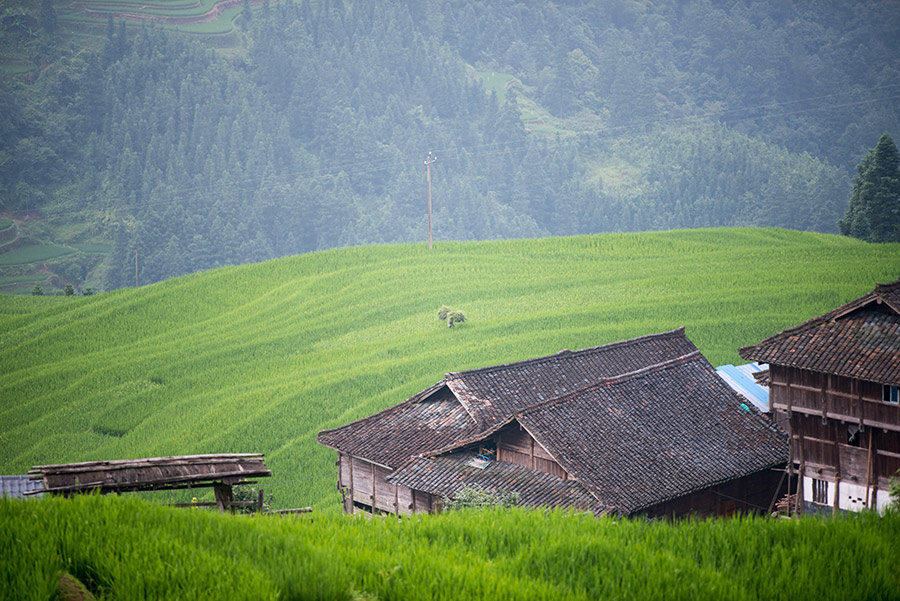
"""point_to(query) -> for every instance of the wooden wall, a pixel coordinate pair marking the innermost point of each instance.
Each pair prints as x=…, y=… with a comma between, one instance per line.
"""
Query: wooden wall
x=363, y=486
x=831, y=396
x=824, y=450
x=516, y=445
x=750, y=494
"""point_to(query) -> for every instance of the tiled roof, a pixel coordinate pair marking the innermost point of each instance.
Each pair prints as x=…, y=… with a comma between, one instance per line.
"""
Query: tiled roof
x=657, y=434
x=493, y=394
x=431, y=419
x=447, y=474
x=468, y=403
x=153, y=473
x=860, y=339
x=17, y=486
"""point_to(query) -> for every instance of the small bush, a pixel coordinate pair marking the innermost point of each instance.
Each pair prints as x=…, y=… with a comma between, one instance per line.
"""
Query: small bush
x=479, y=498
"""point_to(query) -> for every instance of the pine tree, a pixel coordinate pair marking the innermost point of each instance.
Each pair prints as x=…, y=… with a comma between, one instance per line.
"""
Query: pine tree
x=874, y=211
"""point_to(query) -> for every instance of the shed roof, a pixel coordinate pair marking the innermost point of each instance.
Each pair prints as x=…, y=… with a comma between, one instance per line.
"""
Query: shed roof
x=155, y=473
x=656, y=434
x=467, y=403
x=860, y=339
x=492, y=394
x=447, y=474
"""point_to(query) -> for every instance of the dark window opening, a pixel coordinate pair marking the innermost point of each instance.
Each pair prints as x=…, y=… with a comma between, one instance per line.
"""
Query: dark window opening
x=890, y=394
x=820, y=492
x=853, y=435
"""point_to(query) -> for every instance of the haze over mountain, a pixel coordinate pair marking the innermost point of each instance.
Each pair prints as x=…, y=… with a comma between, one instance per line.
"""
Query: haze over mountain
x=307, y=126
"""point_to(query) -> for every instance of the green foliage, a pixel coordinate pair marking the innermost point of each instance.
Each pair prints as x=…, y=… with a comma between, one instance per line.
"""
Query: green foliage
x=33, y=253
x=455, y=317
x=443, y=313
x=451, y=316
x=70, y=290
x=318, y=340
x=124, y=548
x=472, y=497
x=320, y=141
x=874, y=211
x=247, y=493
x=37, y=290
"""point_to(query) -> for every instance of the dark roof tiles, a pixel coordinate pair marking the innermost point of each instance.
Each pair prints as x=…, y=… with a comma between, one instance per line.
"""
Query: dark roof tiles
x=860, y=339
x=447, y=474
x=656, y=434
x=493, y=394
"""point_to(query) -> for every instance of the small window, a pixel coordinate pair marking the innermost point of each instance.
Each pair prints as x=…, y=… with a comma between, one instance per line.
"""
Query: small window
x=890, y=394
x=820, y=492
x=853, y=435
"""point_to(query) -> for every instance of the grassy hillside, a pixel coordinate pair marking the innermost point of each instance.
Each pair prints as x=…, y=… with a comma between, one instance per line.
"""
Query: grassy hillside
x=260, y=357
x=125, y=549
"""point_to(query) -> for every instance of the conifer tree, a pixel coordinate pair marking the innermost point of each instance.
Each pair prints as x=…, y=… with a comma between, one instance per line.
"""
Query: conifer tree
x=874, y=211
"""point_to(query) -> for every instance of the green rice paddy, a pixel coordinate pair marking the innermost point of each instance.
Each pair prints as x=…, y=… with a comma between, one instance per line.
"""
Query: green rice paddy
x=259, y=358
x=123, y=548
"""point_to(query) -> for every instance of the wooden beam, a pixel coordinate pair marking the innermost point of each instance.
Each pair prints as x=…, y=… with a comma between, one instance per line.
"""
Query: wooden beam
x=352, y=492
x=869, y=468
x=373, y=488
x=224, y=496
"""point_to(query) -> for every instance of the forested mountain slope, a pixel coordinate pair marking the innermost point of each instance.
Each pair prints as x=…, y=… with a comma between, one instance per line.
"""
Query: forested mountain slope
x=259, y=358
x=309, y=130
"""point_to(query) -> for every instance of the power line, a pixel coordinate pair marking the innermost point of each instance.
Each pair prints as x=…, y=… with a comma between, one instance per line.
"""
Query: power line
x=357, y=168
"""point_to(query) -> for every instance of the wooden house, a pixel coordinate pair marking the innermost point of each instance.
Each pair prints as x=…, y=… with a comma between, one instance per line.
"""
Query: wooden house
x=643, y=426
x=834, y=381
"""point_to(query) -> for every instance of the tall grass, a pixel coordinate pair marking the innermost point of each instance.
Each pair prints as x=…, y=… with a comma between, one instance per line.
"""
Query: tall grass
x=127, y=549
x=261, y=357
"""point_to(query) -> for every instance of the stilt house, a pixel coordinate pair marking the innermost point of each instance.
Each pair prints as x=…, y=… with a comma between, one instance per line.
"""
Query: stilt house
x=643, y=426
x=834, y=381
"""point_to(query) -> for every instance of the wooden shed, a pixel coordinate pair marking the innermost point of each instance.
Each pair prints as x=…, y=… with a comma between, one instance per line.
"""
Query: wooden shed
x=219, y=472
x=643, y=426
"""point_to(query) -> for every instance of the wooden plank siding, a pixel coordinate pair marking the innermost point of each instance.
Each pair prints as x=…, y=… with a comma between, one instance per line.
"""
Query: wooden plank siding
x=751, y=494
x=356, y=478
x=831, y=397
x=516, y=445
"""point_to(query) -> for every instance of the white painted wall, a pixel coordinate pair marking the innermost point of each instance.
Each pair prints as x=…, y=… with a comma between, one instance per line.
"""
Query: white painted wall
x=852, y=496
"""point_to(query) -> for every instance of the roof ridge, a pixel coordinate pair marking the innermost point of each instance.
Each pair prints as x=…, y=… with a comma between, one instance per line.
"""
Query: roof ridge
x=563, y=398
x=607, y=382
x=834, y=314
x=565, y=352
x=419, y=396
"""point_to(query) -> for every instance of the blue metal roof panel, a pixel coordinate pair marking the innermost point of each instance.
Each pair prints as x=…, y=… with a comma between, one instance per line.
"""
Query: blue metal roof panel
x=741, y=381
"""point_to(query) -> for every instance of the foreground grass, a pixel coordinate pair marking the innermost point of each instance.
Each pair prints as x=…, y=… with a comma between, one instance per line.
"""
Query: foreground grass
x=124, y=548
x=258, y=358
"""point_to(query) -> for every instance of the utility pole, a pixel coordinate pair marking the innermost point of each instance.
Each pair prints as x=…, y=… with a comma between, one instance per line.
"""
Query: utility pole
x=431, y=159
x=135, y=269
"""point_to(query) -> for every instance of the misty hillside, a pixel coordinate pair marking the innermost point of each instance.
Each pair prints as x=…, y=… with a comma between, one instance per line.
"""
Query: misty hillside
x=282, y=127
x=259, y=358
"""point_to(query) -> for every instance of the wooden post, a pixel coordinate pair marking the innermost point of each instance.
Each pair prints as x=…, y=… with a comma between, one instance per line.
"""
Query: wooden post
x=825, y=397
x=801, y=471
x=259, y=502
x=396, y=500
x=790, y=394
x=532, y=451
x=860, y=404
x=428, y=163
x=837, y=493
x=869, y=469
x=373, y=488
x=352, y=492
x=224, y=496
x=790, y=464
